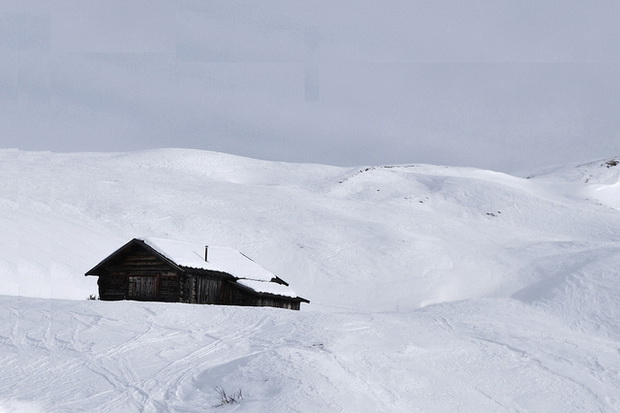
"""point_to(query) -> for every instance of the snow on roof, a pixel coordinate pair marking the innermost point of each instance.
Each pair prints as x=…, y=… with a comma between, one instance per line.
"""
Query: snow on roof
x=268, y=287
x=223, y=259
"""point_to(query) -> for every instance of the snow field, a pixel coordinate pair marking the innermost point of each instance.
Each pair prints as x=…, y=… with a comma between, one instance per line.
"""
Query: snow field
x=432, y=288
x=488, y=355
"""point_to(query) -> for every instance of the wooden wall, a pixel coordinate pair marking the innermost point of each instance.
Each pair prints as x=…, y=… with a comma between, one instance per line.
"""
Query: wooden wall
x=212, y=288
x=140, y=276
x=112, y=287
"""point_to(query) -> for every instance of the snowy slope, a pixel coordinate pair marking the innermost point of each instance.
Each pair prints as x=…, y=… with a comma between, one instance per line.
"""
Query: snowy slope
x=359, y=239
x=491, y=355
x=432, y=288
x=598, y=180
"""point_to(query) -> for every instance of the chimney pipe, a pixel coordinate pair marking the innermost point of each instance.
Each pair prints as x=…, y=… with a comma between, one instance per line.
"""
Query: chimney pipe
x=206, y=253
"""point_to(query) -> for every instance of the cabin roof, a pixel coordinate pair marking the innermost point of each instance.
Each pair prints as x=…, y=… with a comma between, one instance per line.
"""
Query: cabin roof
x=223, y=259
x=186, y=255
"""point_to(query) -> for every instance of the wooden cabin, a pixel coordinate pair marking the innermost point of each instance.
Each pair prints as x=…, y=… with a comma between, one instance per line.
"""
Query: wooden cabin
x=154, y=269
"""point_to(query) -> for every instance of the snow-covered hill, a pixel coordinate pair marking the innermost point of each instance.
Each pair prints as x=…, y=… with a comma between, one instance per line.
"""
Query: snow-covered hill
x=432, y=288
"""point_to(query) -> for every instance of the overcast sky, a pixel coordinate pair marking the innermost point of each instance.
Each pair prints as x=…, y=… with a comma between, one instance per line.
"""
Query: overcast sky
x=505, y=85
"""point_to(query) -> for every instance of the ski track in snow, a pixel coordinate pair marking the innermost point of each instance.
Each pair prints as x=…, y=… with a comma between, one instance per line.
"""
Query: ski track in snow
x=432, y=289
x=487, y=355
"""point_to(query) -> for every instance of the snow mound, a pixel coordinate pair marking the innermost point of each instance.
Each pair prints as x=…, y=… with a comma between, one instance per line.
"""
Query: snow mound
x=602, y=171
x=598, y=180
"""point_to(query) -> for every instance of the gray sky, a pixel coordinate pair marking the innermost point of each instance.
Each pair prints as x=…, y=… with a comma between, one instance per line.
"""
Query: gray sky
x=505, y=85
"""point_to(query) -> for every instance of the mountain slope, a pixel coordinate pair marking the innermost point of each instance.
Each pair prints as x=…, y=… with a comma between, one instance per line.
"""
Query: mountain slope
x=376, y=238
x=432, y=288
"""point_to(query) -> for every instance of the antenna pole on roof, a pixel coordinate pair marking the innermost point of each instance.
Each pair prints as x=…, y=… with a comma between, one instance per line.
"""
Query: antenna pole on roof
x=206, y=253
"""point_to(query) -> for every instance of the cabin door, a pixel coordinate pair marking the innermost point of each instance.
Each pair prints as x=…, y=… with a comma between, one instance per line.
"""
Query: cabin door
x=142, y=288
